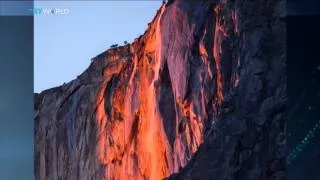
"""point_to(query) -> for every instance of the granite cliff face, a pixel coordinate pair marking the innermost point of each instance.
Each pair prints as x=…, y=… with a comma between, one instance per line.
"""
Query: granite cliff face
x=200, y=95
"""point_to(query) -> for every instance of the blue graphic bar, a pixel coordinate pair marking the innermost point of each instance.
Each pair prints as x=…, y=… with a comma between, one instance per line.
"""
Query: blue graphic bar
x=16, y=8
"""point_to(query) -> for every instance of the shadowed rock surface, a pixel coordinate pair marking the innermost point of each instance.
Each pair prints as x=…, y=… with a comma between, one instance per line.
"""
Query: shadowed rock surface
x=201, y=95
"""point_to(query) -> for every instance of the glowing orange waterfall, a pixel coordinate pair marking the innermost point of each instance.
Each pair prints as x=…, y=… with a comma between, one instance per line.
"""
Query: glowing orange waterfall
x=151, y=149
x=155, y=140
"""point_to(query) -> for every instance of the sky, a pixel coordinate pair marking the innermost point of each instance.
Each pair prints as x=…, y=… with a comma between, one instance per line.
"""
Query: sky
x=65, y=43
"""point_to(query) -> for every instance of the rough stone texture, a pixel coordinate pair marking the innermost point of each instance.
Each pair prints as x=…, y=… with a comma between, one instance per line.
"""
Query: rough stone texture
x=248, y=139
x=201, y=95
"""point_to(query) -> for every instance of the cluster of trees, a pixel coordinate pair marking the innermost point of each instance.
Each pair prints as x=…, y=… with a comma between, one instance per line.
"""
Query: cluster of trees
x=116, y=45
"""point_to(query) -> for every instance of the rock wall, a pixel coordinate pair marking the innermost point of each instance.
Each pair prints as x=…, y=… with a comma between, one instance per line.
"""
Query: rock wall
x=200, y=95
